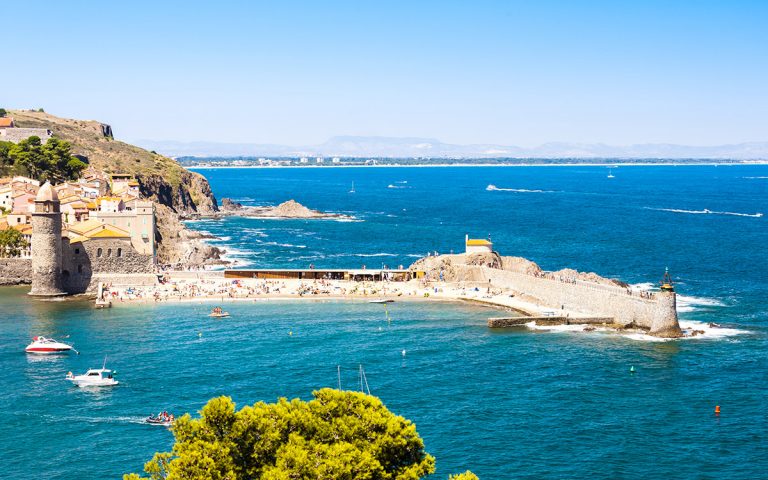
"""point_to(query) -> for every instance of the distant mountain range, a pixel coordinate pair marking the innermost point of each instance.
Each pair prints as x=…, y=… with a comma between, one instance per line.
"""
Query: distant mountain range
x=396, y=147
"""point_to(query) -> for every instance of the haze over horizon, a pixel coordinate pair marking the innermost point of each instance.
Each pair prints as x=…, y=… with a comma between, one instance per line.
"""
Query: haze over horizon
x=490, y=73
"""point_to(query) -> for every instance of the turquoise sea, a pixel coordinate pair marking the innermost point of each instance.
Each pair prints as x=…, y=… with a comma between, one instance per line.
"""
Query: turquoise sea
x=505, y=404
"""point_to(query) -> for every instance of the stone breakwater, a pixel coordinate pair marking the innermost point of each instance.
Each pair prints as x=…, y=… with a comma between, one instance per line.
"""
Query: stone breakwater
x=584, y=295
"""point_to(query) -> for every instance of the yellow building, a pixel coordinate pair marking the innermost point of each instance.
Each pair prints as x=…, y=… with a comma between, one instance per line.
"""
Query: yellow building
x=478, y=245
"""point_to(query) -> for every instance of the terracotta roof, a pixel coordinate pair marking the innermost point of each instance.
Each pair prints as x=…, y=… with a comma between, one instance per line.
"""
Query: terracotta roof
x=6, y=122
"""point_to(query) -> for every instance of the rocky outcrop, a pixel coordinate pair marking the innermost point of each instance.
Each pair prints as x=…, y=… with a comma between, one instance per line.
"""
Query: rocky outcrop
x=286, y=210
x=228, y=205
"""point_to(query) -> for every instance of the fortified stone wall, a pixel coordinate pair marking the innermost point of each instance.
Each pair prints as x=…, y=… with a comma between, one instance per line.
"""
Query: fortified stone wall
x=83, y=263
x=581, y=297
x=16, y=135
x=15, y=271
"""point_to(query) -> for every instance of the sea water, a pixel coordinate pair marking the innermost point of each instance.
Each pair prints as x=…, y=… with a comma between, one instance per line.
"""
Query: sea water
x=519, y=403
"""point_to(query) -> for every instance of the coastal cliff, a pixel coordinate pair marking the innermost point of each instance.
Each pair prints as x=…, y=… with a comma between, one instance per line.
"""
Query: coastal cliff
x=176, y=190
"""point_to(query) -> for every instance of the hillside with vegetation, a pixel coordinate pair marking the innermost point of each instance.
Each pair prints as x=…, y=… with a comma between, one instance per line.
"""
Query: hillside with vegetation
x=176, y=190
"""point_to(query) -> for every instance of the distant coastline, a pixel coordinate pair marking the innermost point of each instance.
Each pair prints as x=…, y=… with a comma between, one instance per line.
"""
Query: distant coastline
x=668, y=163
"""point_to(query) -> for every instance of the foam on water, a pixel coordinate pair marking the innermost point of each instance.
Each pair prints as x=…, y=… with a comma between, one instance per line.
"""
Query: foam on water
x=686, y=303
x=706, y=212
x=711, y=332
x=238, y=257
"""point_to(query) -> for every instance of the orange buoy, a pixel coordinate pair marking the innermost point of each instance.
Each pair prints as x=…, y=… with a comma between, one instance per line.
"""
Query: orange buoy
x=717, y=409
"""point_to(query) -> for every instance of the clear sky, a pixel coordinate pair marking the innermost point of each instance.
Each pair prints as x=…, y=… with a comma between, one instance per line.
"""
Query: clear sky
x=296, y=73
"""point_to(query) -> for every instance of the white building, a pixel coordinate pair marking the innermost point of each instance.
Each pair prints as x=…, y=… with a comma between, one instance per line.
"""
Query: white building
x=478, y=245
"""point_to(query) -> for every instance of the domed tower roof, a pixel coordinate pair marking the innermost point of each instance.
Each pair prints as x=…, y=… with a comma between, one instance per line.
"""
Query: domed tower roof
x=47, y=193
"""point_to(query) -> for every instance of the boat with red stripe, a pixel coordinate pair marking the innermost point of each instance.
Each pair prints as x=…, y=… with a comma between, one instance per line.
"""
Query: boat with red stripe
x=45, y=346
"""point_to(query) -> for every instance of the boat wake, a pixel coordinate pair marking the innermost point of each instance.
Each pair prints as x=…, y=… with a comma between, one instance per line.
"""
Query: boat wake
x=397, y=186
x=88, y=419
x=706, y=212
x=494, y=188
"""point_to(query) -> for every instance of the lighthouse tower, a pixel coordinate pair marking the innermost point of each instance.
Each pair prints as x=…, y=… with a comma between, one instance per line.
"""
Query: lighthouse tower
x=664, y=323
x=46, y=244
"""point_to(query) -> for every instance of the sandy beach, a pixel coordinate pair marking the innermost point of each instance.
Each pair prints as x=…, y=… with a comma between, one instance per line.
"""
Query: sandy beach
x=212, y=288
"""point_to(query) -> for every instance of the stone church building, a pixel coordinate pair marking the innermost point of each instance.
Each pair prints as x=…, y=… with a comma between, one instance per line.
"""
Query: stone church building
x=63, y=265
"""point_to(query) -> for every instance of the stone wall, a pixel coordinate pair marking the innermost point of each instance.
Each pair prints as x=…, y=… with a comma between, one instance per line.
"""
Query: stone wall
x=581, y=297
x=84, y=262
x=15, y=271
x=16, y=135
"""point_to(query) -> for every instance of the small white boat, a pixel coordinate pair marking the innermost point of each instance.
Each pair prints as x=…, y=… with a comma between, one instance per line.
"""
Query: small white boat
x=610, y=174
x=46, y=346
x=352, y=190
x=95, y=377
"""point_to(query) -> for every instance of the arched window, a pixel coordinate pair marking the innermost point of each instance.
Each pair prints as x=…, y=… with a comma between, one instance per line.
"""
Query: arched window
x=98, y=252
x=119, y=252
x=109, y=252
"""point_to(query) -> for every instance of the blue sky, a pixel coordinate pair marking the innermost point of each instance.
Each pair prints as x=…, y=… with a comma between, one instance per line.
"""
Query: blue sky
x=519, y=73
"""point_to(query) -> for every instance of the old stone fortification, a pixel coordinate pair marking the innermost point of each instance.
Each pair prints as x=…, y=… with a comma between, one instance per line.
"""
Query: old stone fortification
x=15, y=271
x=586, y=293
x=16, y=135
x=83, y=264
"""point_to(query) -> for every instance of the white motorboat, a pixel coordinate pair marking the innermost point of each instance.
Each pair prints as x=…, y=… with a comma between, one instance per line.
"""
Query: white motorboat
x=46, y=346
x=95, y=377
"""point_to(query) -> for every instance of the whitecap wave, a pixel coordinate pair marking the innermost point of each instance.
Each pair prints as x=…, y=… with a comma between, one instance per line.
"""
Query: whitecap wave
x=565, y=328
x=703, y=331
x=278, y=244
x=706, y=211
x=685, y=303
x=494, y=188
x=235, y=256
